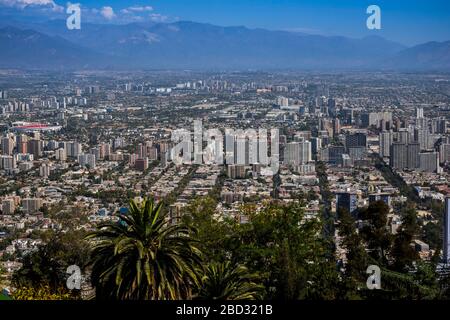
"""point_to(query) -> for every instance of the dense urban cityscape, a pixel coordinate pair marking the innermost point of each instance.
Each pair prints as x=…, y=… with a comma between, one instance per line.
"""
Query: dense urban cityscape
x=211, y=158
x=76, y=147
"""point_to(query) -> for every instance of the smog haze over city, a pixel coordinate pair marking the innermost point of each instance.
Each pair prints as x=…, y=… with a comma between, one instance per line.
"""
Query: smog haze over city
x=224, y=155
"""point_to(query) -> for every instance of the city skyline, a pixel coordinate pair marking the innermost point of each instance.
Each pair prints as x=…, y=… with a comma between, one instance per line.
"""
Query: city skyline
x=208, y=152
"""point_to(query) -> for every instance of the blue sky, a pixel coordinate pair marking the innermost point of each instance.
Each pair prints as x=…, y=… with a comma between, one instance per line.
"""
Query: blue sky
x=409, y=22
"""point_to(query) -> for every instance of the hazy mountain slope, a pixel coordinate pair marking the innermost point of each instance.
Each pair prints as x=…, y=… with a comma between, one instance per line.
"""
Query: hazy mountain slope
x=191, y=45
x=427, y=56
x=34, y=50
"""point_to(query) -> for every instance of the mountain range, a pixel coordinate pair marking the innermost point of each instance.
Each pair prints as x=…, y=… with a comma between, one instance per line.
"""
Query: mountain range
x=191, y=45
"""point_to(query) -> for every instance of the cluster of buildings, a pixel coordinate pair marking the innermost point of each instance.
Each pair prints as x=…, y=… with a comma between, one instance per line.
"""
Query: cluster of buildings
x=96, y=142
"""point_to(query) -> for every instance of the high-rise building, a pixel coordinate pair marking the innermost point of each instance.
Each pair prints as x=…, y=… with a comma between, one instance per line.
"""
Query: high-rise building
x=31, y=205
x=332, y=107
x=419, y=113
x=421, y=136
x=282, y=101
x=385, y=197
x=152, y=153
x=357, y=153
x=105, y=150
x=8, y=206
x=429, y=161
x=236, y=171
x=332, y=155
x=44, y=170
x=22, y=143
x=141, y=164
x=96, y=152
x=35, y=148
x=404, y=156
x=444, y=153
x=347, y=116
x=87, y=160
x=73, y=149
x=316, y=145
x=402, y=136
x=61, y=154
x=141, y=151
x=385, y=144
x=399, y=156
x=375, y=118
x=7, y=162
x=296, y=153
x=446, y=245
x=439, y=125
x=413, y=161
x=336, y=126
x=347, y=201
x=7, y=145
x=358, y=139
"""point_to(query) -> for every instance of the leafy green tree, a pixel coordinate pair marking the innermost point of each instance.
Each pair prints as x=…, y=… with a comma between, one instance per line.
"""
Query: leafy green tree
x=403, y=253
x=224, y=281
x=143, y=257
x=289, y=251
x=47, y=266
x=42, y=292
x=432, y=235
x=375, y=231
x=354, y=275
x=426, y=276
x=214, y=237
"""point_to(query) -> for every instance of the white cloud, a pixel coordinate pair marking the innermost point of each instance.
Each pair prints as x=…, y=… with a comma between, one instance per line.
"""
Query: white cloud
x=141, y=9
x=107, y=13
x=21, y=4
x=156, y=17
x=136, y=9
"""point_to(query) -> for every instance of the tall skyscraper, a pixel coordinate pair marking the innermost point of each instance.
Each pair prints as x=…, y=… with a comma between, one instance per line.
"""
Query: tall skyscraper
x=399, y=156
x=35, y=148
x=444, y=152
x=7, y=145
x=402, y=136
x=87, y=160
x=316, y=145
x=385, y=144
x=296, y=153
x=22, y=141
x=332, y=107
x=375, y=118
x=439, y=125
x=446, y=245
x=429, y=161
x=282, y=101
x=419, y=113
x=413, y=161
x=421, y=137
x=358, y=139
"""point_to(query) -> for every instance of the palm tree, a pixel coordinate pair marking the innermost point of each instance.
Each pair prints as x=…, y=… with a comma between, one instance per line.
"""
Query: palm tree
x=224, y=281
x=143, y=257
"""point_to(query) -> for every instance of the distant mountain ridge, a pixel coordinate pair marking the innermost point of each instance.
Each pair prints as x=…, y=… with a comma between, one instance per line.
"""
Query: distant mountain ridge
x=29, y=49
x=191, y=45
x=428, y=56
